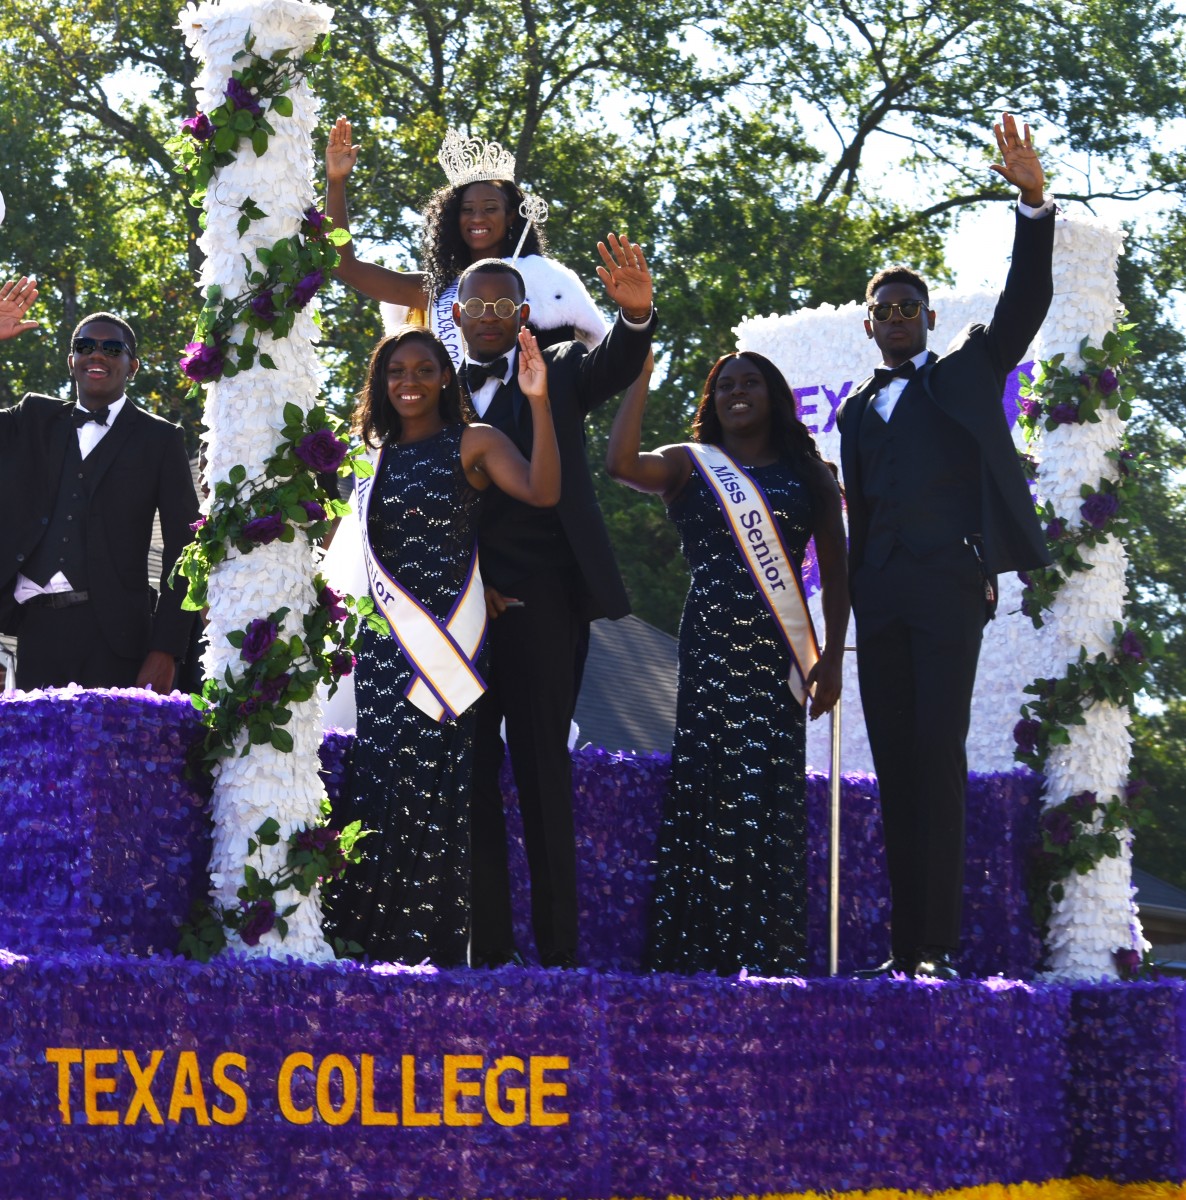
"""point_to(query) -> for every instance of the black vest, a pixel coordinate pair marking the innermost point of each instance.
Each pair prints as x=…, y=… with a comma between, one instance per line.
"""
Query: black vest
x=517, y=540
x=63, y=546
x=920, y=476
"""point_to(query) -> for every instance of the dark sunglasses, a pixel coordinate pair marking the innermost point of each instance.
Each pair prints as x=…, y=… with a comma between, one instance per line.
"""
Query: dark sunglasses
x=110, y=346
x=908, y=308
x=503, y=307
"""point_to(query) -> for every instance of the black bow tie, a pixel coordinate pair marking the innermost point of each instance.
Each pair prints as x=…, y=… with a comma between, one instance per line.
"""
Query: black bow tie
x=882, y=375
x=83, y=415
x=476, y=374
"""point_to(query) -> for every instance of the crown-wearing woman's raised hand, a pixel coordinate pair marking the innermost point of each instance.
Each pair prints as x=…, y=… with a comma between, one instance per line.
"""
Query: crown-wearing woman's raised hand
x=1020, y=165
x=533, y=371
x=17, y=296
x=341, y=152
x=626, y=277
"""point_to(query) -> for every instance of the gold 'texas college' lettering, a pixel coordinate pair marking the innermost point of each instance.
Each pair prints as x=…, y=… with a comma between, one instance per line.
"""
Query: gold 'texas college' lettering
x=508, y=1091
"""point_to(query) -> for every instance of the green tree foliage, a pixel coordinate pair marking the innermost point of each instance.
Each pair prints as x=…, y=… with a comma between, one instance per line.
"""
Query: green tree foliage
x=768, y=156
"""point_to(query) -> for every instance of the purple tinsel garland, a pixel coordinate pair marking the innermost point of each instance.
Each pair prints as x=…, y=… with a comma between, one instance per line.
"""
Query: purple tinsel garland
x=699, y=1086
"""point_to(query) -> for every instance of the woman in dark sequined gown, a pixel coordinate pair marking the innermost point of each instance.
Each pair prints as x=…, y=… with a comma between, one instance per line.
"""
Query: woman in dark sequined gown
x=731, y=858
x=406, y=901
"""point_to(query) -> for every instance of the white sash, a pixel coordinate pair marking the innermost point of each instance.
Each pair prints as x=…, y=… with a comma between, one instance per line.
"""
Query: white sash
x=759, y=542
x=440, y=319
x=445, y=681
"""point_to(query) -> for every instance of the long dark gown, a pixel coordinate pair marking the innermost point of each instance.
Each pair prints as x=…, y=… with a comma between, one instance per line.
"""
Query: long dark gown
x=407, y=901
x=732, y=855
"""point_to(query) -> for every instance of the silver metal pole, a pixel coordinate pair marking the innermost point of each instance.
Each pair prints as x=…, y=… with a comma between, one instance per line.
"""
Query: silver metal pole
x=834, y=847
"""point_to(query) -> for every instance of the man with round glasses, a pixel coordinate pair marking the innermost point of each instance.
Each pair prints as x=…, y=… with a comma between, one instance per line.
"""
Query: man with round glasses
x=937, y=506
x=80, y=484
x=548, y=572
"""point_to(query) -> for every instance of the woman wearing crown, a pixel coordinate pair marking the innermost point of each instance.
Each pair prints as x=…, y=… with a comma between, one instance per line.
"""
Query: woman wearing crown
x=480, y=214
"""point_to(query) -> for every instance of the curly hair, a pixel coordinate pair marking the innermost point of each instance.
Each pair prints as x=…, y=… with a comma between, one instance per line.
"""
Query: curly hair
x=443, y=253
x=792, y=439
x=375, y=420
x=897, y=274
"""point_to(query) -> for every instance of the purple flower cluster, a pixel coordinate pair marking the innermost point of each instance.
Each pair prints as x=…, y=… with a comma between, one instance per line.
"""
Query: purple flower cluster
x=313, y=510
x=1135, y=788
x=263, y=530
x=194, y=526
x=321, y=451
x=1099, y=508
x=1026, y=733
x=1107, y=381
x=1132, y=646
x=342, y=663
x=201, y=361
x=306, y=288
x=263, y=306
x=1128, y=962
x=1058, y=826
x=1055, y=529
x=332, y=600
x=198, y=127
x=1065, y=414
x=1031, y=408
x=260, y=636
x=241, y=97
x=259, y=917
x=315, y=219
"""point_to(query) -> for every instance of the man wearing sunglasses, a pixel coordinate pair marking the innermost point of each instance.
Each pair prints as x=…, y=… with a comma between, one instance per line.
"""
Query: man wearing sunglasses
x=548, y=573
x=80, y=485
x=937, y=506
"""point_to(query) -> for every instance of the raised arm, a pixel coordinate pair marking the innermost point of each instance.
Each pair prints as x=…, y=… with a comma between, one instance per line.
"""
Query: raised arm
x=17, y=296
x=489, y=456
x=661, y=472
x=827, y=675
x=380, y=283
x=1020, y=165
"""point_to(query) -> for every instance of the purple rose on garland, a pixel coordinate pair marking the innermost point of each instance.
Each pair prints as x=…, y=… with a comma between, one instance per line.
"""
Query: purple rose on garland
x=1065, y=414
x=1107, y=381
x=241, y=97
x=264, y=306
x=1083, y=802
x=194, y=526
x=258, y=639
x=198, y=127
x=306, y=288
x=1099, y=508
x=1136, y=788
x=259, y=918
x=315, y=219
x=321, y=451
x=1128, y=962
x=263, y=530
x=271, y=690
x=1126, y=461
x=1058, y=826
x=341, y=664
x=1032, y=409
x=332, y=600
x=1132, y=646
x=313, y=510
x=1055, y=529
x=201, y=362
x=1026, y=733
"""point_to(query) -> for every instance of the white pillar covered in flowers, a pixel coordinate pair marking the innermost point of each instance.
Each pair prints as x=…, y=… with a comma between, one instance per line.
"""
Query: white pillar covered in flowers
x=244, y=417
x=1096, y=916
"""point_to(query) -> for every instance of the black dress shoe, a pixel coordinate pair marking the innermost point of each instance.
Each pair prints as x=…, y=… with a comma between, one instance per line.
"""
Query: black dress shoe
x=891, y=966
x=936, y=964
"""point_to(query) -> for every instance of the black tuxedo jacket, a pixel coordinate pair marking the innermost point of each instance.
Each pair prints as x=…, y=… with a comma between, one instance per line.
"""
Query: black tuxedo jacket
x=967, y=383
x=139, y=468
x=579, y=380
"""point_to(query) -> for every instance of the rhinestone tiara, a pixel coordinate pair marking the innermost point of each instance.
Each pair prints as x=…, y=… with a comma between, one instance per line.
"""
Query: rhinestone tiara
x=470, y=160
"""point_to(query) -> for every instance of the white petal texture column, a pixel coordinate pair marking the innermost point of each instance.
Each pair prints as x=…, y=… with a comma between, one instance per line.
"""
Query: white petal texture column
x=1096, y=915
x=243, y=415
